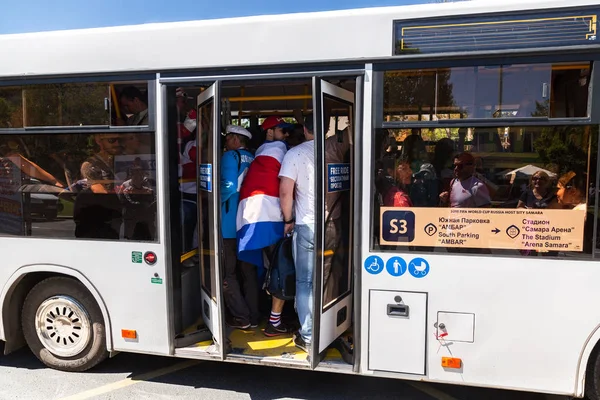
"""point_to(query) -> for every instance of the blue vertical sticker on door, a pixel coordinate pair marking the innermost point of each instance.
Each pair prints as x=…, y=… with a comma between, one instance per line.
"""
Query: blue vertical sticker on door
x=205, y=177
x=338, y=177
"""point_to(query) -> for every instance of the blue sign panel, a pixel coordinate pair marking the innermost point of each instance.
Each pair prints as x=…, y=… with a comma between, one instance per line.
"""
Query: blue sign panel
x=396, y=266
x=338, y=177
x=205, y=177
x=418, y=267
x=374, y=265
x=398, y=226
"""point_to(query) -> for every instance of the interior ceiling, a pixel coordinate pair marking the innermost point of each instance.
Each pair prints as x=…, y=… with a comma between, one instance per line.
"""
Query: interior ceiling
x=235, y=92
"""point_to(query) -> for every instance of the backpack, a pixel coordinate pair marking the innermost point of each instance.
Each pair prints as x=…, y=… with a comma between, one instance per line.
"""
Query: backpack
x=280, y=280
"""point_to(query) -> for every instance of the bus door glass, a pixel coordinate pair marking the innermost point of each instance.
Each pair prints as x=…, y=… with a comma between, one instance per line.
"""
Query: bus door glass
x=334, y=124
x=208, y=213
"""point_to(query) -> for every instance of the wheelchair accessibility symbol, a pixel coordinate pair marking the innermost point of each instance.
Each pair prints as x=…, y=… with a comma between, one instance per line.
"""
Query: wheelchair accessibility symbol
x=418, y=267
x=374, y=265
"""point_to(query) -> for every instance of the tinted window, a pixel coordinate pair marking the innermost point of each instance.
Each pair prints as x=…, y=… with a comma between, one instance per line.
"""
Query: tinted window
x=504, y=91
x=74, y=104
x=99, y=186
x=521, y=190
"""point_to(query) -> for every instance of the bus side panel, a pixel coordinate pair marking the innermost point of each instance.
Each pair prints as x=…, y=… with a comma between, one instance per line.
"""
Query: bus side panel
x=133, y=291
x=532, y=318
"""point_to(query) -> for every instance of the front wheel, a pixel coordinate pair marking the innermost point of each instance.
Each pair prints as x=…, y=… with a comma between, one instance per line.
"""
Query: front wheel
x=63, y=325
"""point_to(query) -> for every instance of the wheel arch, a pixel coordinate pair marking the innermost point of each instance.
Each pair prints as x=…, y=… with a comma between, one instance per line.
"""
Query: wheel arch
x=590, y=347
x=18, y=286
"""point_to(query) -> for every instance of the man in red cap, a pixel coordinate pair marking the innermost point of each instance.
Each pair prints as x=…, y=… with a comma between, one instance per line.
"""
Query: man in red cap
x=274, y=128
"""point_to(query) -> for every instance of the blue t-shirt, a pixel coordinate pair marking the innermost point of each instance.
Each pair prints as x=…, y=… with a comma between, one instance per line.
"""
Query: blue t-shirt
x=233, y=172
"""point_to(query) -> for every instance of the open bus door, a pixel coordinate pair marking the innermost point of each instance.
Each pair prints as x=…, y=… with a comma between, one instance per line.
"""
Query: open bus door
x=334, y=118
x=208, y=126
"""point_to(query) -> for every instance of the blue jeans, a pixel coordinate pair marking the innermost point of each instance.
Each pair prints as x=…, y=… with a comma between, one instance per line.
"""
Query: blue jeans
x=304, y=261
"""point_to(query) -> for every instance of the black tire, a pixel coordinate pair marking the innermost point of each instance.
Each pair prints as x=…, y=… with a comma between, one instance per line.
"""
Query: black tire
x=51, y=215
x=95, y=350
x=592, y=379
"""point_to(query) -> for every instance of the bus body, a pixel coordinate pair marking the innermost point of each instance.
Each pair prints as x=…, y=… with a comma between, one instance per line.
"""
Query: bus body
x=489, y=294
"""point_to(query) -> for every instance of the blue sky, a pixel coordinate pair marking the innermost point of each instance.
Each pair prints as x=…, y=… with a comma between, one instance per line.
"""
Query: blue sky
x=43, y=15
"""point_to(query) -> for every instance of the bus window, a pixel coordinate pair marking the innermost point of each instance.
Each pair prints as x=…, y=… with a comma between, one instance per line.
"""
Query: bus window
x=74, y=104
x=520, y=190
x=99, y=186
x=11, y=108
x=501, y=91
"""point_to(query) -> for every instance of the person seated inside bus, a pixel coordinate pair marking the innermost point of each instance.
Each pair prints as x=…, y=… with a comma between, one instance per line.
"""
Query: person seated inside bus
x=539, y=193
x=392, y=183
x=260, y=221
x=413, y=150
x=234, y=166
x=571, y=195
x=466, y=190
x=133, y=102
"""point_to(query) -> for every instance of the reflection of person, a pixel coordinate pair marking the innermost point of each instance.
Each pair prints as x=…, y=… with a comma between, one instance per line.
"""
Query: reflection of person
x=337, y=217
x=466, y=190
x=539, y=193
x=97, y=209
x=139, y=215
x=98, y=170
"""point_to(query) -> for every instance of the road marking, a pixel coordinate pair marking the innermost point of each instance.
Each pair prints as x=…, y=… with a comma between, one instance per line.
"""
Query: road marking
x=131, y=381
x=425, y=388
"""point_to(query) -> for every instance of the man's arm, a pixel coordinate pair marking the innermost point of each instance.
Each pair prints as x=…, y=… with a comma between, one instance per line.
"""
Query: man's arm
x=88, y=172
x=286, y=197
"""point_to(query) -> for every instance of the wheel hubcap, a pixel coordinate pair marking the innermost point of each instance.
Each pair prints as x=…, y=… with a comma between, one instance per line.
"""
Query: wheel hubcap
x=63, y=326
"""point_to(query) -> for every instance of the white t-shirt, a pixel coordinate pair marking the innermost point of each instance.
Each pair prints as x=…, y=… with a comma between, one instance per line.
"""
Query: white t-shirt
x=469, y=193
x=299, y=166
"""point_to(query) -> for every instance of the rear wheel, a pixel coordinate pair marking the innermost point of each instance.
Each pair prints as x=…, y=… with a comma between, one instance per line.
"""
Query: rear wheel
x=63, y=325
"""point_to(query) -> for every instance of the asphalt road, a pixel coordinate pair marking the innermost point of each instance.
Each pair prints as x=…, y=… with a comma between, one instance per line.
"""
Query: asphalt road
x=132, y=376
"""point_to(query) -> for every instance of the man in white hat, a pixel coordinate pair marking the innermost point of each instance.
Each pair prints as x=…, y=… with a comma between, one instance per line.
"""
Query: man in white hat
x=234, y=167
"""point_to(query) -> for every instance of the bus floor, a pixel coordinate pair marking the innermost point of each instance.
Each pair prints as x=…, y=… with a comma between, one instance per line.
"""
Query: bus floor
x=252, y=344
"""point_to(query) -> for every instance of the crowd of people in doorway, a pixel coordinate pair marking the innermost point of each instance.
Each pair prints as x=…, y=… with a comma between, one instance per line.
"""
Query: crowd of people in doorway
x=266, y=195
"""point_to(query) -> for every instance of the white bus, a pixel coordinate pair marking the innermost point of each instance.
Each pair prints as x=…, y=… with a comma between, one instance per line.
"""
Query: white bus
x=466, y=236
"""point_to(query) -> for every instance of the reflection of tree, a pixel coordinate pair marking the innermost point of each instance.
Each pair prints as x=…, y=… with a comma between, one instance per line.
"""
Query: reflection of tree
x=5, y=113
x=66, y=104
x=566, y=148
x=11, y=110
x=411, y=94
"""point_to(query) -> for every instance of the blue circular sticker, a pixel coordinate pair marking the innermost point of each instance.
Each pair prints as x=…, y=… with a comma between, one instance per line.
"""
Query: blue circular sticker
x=418, y=267
x=374, y=265
x=396, y=266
